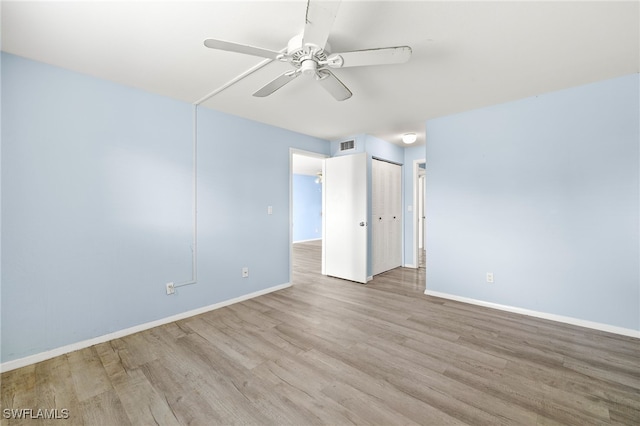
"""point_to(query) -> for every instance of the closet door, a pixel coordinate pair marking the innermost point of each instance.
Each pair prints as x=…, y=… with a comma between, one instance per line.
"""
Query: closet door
x=395, y=203
x=378, y=230
x=386, y=216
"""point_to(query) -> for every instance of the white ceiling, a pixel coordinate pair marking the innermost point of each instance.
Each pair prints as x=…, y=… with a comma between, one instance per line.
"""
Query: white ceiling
x=466, y=55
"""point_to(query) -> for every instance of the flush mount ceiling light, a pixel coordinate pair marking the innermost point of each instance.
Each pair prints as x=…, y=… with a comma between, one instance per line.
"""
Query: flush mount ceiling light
x=409, y=138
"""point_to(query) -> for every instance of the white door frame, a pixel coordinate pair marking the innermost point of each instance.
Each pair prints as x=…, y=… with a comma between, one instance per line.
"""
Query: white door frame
x=416, y=212
x=306, y=154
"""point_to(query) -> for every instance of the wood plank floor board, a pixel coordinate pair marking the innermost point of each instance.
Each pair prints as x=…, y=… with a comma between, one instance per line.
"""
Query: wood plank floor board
x=623, y=415
x=55, y=389
x=578, y=383
x=268, y=345
x=512, y=350
x=448, y=353
x=575, y=344
x=186, y=403
x=252, y=316
x=221, y=382
x=137, y=349
x=329, y=308
x=309, y=339
x=87, y=373
x=572, y=348
x=18, y=391
x=140, y=400
x=481, y=320
x=398, y=325
x=248, y=392
x=532, y=395
x=244, y=355
x=598, y=370
x=104, y=409
x=387, y=370
x=331, y=352
x=230, y=320
x=282, y=312
x=368, y=409
x=325, y=411
x=461, y=401
x=200, y=384
x=256, y=305
x=411, y=407
x=297, y=373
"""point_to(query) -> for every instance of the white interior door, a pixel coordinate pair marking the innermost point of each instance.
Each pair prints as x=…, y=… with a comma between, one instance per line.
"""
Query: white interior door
x=344, y=251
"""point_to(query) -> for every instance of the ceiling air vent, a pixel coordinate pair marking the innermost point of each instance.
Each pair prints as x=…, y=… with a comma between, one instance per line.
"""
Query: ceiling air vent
x=347, y=145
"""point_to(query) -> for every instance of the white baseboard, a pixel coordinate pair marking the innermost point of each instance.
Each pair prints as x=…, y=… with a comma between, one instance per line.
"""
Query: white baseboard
x=43, y=356
x=407, y=265
x=544, y=315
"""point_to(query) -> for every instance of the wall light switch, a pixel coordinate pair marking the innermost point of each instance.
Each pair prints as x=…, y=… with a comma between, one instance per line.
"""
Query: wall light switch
x=489, y=277
x=245, y=272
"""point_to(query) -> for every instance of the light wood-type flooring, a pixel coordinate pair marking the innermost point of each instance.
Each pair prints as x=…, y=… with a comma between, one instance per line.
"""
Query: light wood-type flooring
x=333, y=352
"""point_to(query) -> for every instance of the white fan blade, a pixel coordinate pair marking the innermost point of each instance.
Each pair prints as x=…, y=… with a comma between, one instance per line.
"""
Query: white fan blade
x=331, y=84
x=276, y=83
x=319, y=20
x=241, y=48
x=359, y=58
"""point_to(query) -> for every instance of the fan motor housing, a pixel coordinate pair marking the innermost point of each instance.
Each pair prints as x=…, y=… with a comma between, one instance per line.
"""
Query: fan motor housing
x=305, y=56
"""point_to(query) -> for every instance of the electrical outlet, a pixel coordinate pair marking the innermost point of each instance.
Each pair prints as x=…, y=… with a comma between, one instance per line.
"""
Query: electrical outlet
x=489, y=277
x=245, y=272
x=170, y=288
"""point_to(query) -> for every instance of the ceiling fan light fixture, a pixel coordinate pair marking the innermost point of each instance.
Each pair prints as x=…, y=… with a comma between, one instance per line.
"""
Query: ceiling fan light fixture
x=409, y=138
x=310, y=54
x=308, y=67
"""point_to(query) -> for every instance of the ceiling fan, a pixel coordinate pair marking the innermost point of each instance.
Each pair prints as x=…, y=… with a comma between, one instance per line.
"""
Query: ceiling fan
x=310, y=54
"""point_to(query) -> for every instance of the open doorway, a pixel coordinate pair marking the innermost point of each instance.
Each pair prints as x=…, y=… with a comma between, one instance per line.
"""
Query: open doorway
x=419, y=180
x=306, y=182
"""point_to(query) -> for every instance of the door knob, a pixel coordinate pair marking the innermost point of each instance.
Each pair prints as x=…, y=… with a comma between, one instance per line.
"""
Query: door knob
x=363, y=223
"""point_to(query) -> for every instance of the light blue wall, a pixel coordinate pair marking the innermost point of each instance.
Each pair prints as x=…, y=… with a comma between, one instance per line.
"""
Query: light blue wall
x=97, y=206
x=1, y=57
x=244, y=168
x=0, y=190
x=384, y=150
x=544, y=193
x=307, y=208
